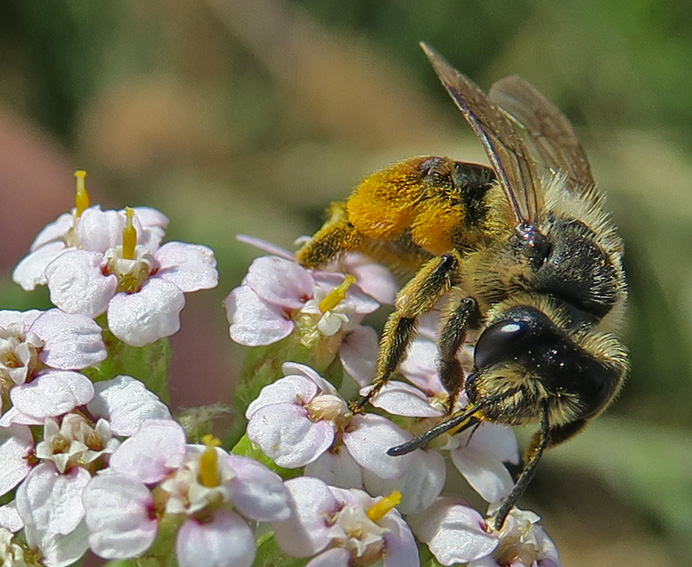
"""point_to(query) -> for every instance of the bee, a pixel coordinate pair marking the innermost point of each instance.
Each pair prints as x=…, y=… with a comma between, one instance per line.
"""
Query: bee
x=529, y=263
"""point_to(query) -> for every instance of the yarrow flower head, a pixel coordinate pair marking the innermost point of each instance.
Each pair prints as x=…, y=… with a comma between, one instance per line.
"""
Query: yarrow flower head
x=155, y=475
x=97, y=262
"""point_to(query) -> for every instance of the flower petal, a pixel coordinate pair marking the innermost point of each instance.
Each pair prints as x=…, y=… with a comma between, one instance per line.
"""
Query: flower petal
x=225, y=541
x=118, y=515
x=305, y=532
x=454, y=532
x=368, y=439
x=296, y=390
x=31, y=270
x=189, y=266
x=486, y=474
x=335, y=557
x=16, y=442
x=53, y=231
x=53, y=393
x=126, y=403
x=77, y=284
x=148, y=315
x=257, y=492
x=286, y=434
x=358, y=354
x=255, y=322
x=279, y=281
x=400, y=398
x=151, y=453
x=336, y=469
x=72, y=341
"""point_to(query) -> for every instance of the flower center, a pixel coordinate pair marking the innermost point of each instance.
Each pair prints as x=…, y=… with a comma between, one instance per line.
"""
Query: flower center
x=18, y=355
x=383, y=506
x=337, y=295
x=130, y=263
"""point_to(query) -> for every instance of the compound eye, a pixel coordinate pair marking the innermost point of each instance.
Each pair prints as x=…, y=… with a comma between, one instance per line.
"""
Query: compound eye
x=500, y=342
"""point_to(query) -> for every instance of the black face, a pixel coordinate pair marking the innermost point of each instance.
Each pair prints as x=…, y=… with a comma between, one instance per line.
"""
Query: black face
x=528, y=338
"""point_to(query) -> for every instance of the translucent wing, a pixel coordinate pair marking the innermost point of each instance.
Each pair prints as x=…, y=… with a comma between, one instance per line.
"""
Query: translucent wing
x=547, y=130
x=507, y=152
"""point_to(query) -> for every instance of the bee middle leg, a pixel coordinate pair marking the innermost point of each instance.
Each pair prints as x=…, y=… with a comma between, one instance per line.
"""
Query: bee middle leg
x=417, y=297
x=452, y=336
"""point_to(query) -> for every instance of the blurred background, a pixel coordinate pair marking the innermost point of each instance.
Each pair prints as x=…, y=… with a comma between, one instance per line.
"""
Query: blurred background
x=237, y=116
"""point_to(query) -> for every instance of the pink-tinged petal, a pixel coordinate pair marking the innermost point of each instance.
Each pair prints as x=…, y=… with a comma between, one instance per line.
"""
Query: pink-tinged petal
x=225, y=541
x=336, y=469
x=255, y=322
x=486, y=474
x=50, y=502
x=279, y=281
x=126, y=403
x=72, y=341
x=151, y=453
x=53, y=231
x=306, y=532
x=189, y=266
x=495, y=439
x=16, y=443
x=420, y=366
x=335, y=557
x=401, y=549
x=265, y=246
x=53, y=393
x=297, y=369
x=31, y=270
x=399, y=398
x=296, y=390
x=420, y=484
x=150, y=218
x=119, y=516
x=454, y=532
x=257, y=492
x=148, y=315
x=10, y=518
x=358, y=354
x=287, y=436
x=100, y=230
x=14, y=417
x=368, y=438
x=23, y=318
x=77, y=284
x=374, y=279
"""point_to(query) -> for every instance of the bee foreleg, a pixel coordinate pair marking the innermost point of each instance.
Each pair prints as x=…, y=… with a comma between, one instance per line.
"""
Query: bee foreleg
x=540, y=442
x=336, y=236
x=418, y=296
x=452, y=337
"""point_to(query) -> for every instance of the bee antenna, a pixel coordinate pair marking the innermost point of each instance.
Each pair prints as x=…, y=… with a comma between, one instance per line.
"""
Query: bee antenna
x=424, y=438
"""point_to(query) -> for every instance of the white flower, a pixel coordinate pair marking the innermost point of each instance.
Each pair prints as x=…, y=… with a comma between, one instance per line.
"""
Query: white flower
x=344, y=527
x=299, y=418
x=39, y=353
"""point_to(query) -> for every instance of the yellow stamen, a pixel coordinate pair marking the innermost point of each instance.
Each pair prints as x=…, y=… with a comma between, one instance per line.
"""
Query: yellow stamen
x=383, y=506
x=129, y=235
x=81, y=198
x=208, y=462
x=337, y=295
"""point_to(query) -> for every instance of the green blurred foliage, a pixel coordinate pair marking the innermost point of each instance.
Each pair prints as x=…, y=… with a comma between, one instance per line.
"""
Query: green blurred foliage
x=241, y=116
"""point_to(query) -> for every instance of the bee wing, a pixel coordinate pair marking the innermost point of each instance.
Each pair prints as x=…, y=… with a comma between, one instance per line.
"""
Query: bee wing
x=507, y=152
x=548, y=130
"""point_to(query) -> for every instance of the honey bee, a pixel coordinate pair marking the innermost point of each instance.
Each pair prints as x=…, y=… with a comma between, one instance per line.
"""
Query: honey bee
x=527, y=259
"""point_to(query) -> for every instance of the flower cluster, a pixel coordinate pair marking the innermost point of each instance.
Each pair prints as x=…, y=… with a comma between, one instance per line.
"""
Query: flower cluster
x=93, y=459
